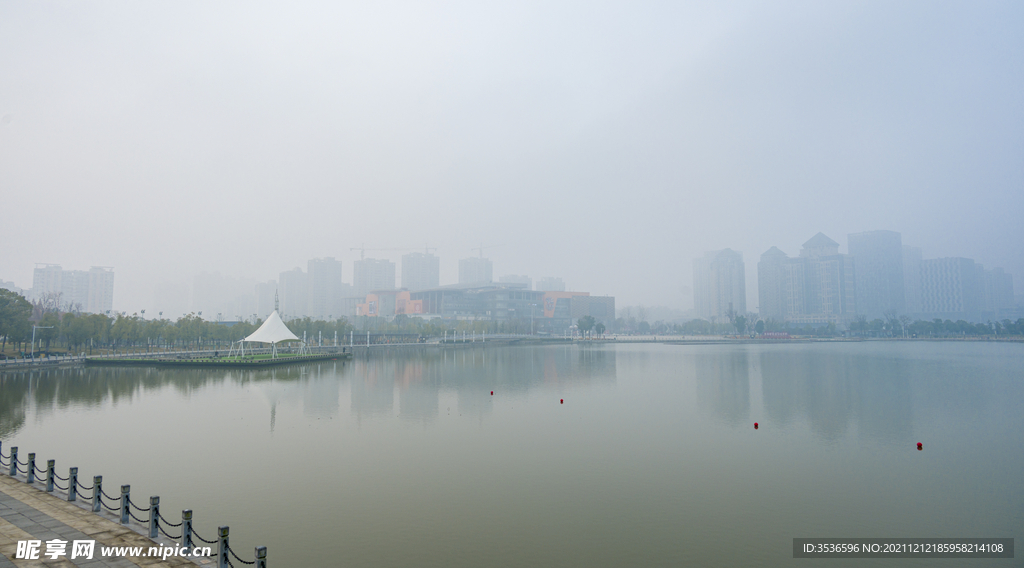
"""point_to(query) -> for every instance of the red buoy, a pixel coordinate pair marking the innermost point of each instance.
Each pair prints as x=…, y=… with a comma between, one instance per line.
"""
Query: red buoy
x=920, y=446
x=492, y=393
x=755, y=425
x=561, y=401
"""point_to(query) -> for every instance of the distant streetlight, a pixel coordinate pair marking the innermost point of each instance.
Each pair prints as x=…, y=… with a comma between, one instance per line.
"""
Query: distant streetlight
x=32, y=353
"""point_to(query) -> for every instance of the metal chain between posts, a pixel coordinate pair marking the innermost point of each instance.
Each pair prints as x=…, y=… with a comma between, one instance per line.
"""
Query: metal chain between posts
x=55, y=474
x=3, y=456
x=140, y=521
x=82, y=487
x=161, y=527
x=18, y=467
x=168, y=523
x=57, y=485
x=237, y=558
x=105, y=506
x=201, y=538
x=137, y=508
x=8, y=464
x=40, y=470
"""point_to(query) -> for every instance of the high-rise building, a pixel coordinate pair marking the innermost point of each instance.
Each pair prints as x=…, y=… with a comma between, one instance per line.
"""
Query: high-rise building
x=719, y=285
x=371, y=274
x=829, y=284
x=325, y=288
x=100, y=295
x=550, y=284
x=74, y=290
x=878, y=257
x=998, y=292
x=9, y=285
x=420, y=271
x=46, y=279
x=293, y=292
x=815, y=288
x=265, y=294
x=952, y=288
x=475, y=270
x=526, y=281
x=912, y=278
x=771, y=284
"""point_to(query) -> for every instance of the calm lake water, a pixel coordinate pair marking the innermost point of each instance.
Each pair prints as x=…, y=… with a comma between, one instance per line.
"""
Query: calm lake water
x=652, y=460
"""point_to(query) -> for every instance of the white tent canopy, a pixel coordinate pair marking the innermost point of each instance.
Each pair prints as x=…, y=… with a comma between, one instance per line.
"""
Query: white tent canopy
x=272, y=331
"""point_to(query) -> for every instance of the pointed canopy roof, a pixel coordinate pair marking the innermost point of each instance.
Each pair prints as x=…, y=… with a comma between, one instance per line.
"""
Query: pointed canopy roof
x=819, y=241
x=272, y=331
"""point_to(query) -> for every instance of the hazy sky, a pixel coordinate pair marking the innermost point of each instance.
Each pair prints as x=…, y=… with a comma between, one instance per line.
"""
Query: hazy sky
x=605, y=143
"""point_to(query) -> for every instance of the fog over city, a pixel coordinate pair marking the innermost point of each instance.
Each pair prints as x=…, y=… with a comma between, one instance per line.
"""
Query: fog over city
x=607, y=144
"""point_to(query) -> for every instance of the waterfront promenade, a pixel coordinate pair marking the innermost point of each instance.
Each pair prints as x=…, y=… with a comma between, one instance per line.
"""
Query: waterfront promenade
x=29, y=513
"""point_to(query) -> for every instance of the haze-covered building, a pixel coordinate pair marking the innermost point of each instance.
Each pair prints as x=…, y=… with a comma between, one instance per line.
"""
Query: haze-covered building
x=100, y=294
x=912, y=278
x=816, y=288
x=550, y=284
x=293, y=290
x=880, y=280
x=475, y=270
x=370, y=274
x=952, y=288
x=771, y=284
x=998, y=293
x=265, y=294
x=719, y=285
x=9, y=285
x=75, y=290
x=325, y=288
x=517, y=279
x=545, y=312
x=46, y=279
x=420, y=271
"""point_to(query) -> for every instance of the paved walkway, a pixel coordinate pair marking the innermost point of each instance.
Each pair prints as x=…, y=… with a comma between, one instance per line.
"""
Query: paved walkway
x=29, y=513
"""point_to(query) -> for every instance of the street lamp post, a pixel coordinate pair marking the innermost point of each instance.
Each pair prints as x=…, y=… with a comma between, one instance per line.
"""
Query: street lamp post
x=32, y=353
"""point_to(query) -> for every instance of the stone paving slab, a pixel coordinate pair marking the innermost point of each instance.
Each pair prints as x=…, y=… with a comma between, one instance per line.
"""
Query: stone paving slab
x=29, y=513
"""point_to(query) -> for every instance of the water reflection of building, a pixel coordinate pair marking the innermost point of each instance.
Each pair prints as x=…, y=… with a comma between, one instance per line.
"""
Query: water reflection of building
x=372, y=393
x=320, y=393
x=723, y=384
x=419, y=377
x=471, y=374
x=831, y=390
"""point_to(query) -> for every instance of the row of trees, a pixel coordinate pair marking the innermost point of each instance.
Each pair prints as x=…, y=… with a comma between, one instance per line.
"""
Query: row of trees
x=892, y=325
x=78, y=332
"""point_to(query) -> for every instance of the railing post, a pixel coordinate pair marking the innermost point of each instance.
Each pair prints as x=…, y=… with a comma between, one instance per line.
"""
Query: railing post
x=125, y=499
x=97, y=490
x=222, y=547
x=73, y=484
x=261, y=557
x=154, y=516
x=49, y=475
x=14, y=461
x=31, y=468
x=186, y=528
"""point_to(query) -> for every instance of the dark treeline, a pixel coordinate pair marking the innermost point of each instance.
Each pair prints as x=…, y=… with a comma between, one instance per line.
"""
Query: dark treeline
x=77, y=332
x=892, y=326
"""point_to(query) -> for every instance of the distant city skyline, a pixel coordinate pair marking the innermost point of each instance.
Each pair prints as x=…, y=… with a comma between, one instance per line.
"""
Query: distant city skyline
x=606, y=144
x=243, y=297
